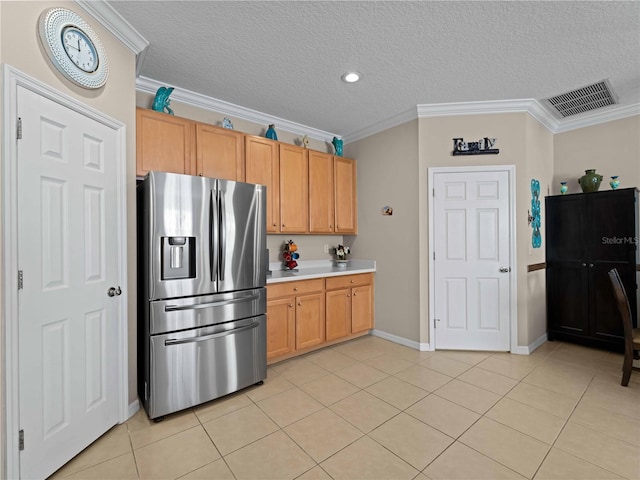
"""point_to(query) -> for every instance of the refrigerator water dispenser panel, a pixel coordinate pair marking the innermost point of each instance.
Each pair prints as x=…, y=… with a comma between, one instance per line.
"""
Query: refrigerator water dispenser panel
x=178, y=258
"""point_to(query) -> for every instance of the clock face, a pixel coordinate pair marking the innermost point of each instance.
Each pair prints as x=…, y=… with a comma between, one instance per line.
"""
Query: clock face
x=80, y=49
x=73, y=47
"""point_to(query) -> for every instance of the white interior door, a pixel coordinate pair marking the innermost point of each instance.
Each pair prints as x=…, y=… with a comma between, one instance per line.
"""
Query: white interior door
x=472, y=260
x=68, y=253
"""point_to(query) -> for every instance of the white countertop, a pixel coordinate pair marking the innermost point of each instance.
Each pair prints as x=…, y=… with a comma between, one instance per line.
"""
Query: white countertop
x=317, y=269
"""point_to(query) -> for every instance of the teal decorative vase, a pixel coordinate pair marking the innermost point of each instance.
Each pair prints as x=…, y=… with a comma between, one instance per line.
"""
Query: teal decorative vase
x=590, y=181
x=614, y=183
x=563, y=188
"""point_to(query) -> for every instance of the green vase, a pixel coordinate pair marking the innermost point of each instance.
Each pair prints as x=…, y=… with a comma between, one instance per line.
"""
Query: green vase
x=590, y=181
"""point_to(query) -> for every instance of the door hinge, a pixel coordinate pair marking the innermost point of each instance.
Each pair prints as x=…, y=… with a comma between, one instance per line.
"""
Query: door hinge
x=434, y=255
x=19, y=129
x=433, y=192
x=21, y=440
x=434, y=322
x=20, y=280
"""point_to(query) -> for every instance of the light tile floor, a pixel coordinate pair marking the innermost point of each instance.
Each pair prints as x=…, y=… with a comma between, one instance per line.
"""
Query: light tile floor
x=372, y=409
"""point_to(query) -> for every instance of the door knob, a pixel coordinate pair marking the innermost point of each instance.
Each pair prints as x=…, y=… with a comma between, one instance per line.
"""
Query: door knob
x=113, y=291
x=505, y=269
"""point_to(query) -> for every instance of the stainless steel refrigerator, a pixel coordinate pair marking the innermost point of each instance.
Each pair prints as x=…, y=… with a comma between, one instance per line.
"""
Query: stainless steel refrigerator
x=201, y=289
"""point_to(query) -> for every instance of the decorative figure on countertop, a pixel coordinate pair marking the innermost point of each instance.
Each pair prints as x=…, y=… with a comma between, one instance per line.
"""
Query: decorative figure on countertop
x=161, y=101
x=226, y=123
x=271, y=132
x=614, y=183
x=290, y=255
x=590, y=181
x=337, y=144
x=305, y=141
x=563, y=188
x=341, y=252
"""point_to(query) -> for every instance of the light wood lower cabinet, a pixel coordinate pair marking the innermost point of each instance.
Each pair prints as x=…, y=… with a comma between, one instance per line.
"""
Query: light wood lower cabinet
x=295, y=316
x=349, y=305
x=304, y=315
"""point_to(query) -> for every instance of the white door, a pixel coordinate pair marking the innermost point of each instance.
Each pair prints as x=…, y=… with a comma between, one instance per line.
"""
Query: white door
x=472, y=265
x=68, y=253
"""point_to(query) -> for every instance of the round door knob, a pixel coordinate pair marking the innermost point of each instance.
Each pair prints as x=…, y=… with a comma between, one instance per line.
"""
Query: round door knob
x=505, y=269
x=275, y=225
x=348, y=296
x=295, y=289
x=584, y=264
x=299, y=304
x=291, y=305
x=113, y=291
x=591, y=265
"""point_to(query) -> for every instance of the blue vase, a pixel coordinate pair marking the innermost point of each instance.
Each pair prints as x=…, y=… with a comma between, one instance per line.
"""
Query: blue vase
x=271, y=133
x=563, y=188
x=614, y=183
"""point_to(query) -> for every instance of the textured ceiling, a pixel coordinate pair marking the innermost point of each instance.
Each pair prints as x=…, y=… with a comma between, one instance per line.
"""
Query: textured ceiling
x=285, y=58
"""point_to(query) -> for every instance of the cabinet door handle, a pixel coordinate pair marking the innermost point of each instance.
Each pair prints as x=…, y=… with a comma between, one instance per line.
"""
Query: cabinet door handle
x=591, y=265
x=584, y=264
x=353, y=281
x=348, y=295
x=354, y=294
x=299, y=304
x=295, y=289
x=291, y=305
x=275, y=225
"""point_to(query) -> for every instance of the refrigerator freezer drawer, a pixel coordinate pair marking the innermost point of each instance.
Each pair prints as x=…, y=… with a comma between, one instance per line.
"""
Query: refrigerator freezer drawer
x=195, y=312
x=194, y=366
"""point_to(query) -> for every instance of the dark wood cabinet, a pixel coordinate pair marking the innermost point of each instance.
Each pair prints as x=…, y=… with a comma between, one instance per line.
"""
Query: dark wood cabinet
x=587, y=235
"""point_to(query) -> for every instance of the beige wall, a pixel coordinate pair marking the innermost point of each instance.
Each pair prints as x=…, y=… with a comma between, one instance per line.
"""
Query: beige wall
x=612, y=148
x=388, y=176
x=18, y=20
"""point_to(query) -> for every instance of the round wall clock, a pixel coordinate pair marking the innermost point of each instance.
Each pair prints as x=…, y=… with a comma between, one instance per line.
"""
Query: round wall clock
x=73, y=47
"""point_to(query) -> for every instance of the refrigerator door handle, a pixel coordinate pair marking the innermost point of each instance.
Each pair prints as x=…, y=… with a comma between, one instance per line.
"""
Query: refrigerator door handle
x=176, y=308
x=213, y=235
x=223, y=235
x=210, y=337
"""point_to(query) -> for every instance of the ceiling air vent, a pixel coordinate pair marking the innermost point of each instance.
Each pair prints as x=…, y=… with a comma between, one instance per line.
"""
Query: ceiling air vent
x=583, y=99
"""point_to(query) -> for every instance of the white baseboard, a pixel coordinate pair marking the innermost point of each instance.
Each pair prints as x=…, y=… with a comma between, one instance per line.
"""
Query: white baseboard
x=133, y=408
x=529, y=349
x=423, y=347
x=426, y=347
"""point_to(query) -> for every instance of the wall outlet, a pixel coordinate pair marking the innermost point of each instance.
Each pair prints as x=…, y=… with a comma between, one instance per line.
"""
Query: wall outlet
x=326, y=248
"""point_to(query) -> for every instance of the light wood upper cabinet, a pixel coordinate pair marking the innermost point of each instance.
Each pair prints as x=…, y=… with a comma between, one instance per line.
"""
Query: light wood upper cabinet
x=321, y=193
x=294, y=189
x=219, y=152
x=261, y=167
x=164, y=143
x=346, y=202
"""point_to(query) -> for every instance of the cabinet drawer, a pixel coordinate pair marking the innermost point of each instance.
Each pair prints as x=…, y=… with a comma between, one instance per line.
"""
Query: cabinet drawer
x=287, y=289
x=347, y=281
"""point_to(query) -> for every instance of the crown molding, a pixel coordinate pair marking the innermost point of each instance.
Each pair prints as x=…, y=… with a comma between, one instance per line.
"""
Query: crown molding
x=608, y=114
x=527, y=105
x=394, y=121
x=118, y=27
x=534, y=108
x=148, y=85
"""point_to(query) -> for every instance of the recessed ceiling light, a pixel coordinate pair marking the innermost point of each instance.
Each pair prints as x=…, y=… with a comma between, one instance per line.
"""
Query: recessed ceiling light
x=351, y=77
